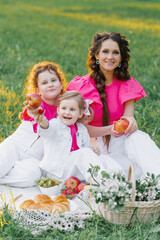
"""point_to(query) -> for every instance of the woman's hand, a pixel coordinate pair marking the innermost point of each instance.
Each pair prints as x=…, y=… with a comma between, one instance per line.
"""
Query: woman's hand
x=114, y=133
x=133, y=126
x=130, y=129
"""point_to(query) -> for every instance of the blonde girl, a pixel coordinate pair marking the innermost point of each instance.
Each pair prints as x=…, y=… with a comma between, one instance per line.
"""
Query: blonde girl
x=67, y=146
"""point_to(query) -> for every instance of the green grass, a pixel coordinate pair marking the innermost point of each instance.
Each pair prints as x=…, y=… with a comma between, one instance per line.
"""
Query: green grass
x=96, y=228
x=61, y=31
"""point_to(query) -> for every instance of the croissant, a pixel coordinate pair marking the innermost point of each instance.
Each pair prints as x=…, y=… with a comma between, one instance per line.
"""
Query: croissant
x=60, y=208
x=59, y=204
x=59, y=199
x=34, y=206
x=43, y=206
x=26, y=204
x=39, y=198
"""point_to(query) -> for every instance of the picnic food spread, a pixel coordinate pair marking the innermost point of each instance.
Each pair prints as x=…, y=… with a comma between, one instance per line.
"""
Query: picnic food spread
x=48, y=182
x=58, y=204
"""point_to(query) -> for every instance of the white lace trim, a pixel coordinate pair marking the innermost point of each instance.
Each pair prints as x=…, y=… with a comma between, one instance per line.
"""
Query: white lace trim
x=41, y=220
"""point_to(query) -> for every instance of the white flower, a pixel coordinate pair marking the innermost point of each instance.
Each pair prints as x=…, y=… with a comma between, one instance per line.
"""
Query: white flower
x=116, y=190
x=99, y=195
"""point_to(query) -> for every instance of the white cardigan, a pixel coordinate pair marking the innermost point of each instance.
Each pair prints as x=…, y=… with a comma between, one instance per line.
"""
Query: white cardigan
x=57, y=145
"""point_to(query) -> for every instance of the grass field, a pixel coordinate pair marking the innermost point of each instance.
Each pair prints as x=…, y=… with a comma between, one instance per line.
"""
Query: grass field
x=61, y=31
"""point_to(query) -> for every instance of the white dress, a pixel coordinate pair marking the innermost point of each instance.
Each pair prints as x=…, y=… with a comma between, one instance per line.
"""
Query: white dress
x=137, y=148
x=20, y=154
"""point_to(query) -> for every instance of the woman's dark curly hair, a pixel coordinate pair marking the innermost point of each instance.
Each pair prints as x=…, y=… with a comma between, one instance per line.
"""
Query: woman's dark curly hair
x=121, y=72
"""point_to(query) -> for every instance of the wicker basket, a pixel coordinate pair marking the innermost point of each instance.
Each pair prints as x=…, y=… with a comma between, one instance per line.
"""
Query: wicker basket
x=134, y=210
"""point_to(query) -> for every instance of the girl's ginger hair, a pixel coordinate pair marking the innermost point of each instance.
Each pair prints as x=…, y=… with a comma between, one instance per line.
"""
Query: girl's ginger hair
x=32, y=78
x=121, y=72
x=80, y=100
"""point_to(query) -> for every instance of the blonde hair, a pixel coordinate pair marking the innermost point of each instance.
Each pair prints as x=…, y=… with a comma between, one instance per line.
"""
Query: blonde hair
x=73, y=94
x=79, y=98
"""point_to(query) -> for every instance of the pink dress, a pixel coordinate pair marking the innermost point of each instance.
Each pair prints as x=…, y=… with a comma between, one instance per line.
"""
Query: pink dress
x=137, y=147
x=118, y=93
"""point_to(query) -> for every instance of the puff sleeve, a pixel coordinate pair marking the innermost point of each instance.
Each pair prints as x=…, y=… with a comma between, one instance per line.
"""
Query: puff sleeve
x=86, y=86
x=131, y=89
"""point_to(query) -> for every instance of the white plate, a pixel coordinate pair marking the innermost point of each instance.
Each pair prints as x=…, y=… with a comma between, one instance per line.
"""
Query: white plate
x=73, y=205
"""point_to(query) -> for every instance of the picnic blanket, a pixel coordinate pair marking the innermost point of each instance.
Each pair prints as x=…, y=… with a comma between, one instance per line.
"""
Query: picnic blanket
x=40, y=220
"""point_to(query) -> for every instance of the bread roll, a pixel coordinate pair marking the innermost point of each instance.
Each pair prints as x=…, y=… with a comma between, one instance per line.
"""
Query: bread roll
x=43, y=202
x=60, y=208
x=39, y=198
x=50, y=202
x=34, y=206
x=46, y=207
x=26, y=204
x=59, y=199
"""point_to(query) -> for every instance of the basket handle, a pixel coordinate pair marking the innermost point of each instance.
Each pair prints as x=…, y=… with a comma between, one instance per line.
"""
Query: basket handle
x=131, y=173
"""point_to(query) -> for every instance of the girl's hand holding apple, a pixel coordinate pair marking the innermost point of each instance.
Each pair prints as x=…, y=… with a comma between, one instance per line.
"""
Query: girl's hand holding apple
x=38, y=117
x=34, y=113
x=32, y=104
x=34, y=110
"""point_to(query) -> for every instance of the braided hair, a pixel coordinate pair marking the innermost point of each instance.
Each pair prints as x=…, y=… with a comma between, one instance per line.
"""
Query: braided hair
x=121, y=72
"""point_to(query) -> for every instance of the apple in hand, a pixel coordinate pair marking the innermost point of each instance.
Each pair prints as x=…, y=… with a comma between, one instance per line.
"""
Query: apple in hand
x=72, y=182
x=40, y=111
x=121, y=125
x=34, y=100
x=80, y=187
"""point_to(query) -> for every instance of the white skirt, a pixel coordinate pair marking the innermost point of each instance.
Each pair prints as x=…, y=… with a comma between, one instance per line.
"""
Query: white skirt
x=79, y=162
x=137, y=148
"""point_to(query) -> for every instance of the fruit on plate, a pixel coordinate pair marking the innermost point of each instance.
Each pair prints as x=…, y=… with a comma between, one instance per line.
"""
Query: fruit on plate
x=69, y=193
x=80, y=187
x=48, y=182
x=34, y=100
x=121, y=125
x=72, y=182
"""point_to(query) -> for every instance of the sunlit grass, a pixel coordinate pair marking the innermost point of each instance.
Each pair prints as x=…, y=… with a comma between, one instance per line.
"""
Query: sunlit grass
x=61, y=31
x=99, y=18
x=8, y=109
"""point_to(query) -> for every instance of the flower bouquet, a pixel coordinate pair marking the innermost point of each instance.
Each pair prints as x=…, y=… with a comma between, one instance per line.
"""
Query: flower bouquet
x=121, y=201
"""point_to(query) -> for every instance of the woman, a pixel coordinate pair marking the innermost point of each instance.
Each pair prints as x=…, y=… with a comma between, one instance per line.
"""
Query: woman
x=113, y=94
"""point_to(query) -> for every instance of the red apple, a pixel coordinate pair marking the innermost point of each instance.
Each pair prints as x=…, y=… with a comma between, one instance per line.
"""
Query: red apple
x=40, y=111
x=34, y=100
x=71, y=196
x=121, y=125
x=69, y=193
x=72, y=182
x=80, y=187
x=64, y=192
